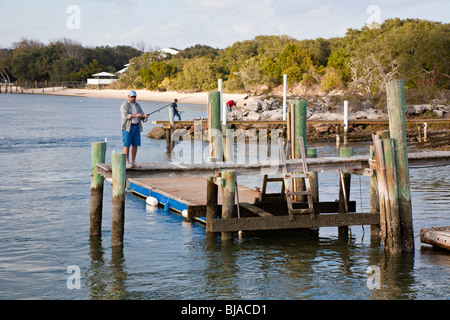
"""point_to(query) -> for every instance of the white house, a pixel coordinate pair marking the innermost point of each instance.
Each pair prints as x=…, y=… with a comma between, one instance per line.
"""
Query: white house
x=102, y=78
x=169, y=50
x=124, y=69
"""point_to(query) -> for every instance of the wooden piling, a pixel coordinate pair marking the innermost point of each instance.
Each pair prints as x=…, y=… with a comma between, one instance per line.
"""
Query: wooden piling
x=314, y=177
x=118, y=163
x=169, y=143
x=227, y=142
x=299, y=130
x=338, y=137
x=211, y=203
x=98, y=150
x=214, y=126
x=345, y=124
x=425, y=132
x=171, y=117
x=228, y=196
x=381, y=185
x=344, y=189
x=397, y=126
x=393, y=219
x=374, y=201
x=299, y=125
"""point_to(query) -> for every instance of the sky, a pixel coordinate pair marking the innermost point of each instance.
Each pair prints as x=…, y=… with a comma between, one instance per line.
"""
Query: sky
x=157, y=24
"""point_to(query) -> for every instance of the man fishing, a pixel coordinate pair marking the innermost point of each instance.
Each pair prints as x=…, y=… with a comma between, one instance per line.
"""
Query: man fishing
x=131, y=116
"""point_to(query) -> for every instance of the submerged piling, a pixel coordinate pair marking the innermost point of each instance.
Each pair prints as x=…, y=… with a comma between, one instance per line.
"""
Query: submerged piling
x=98, y=150
x=118, y=162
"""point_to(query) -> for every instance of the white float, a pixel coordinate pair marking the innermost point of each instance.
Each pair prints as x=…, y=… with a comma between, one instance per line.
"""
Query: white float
x=151, y=201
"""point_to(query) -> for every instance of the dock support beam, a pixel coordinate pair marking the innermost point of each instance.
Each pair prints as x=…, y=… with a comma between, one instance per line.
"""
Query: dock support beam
x=97, y=182
x=118, y=162
x=397, y=126
x=228, y=196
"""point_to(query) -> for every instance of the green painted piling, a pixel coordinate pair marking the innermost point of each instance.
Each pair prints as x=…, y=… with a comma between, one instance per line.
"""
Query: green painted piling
x=118, y=163
x=299, y=130
x=300, y=107
x=397, y=127
x=214, y=126
x=98, y=152
x=228, y=196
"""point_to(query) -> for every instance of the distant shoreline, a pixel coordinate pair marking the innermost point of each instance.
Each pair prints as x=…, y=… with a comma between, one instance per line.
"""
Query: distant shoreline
x=143, y=95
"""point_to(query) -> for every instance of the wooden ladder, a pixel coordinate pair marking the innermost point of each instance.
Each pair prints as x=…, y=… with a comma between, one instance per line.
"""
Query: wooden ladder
x=288, y=176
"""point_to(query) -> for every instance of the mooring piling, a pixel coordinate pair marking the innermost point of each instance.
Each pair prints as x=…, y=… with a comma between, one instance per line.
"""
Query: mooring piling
x=344, y=189
x=313, y=175
x=98, y=150
x=374, y=201
x=397, y=127
x=212, y=211
x=118, y=163
x=228, y=199
x=299, y=130
x=214, y=127
x=394, y=241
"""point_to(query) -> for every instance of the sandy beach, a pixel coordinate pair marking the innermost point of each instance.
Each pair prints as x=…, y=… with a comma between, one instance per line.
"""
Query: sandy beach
x=145, y=95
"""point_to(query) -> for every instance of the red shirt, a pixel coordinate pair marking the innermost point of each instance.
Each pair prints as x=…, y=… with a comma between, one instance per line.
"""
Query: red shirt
x=231, y=103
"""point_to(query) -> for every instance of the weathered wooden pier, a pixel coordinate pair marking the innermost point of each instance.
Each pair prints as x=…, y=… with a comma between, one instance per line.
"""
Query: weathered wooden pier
x=297, y=206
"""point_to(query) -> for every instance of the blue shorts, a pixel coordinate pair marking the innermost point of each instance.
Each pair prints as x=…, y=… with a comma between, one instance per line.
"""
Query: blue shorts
x=133, y=137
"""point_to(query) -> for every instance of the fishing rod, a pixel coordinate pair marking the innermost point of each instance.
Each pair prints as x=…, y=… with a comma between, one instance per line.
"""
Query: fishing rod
x=157, y=110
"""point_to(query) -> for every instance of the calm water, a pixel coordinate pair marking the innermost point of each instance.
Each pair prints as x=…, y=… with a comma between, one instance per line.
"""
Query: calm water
x=44, y=225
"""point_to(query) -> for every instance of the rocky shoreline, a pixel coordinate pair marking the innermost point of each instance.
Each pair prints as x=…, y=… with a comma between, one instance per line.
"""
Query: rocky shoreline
x=321, y=108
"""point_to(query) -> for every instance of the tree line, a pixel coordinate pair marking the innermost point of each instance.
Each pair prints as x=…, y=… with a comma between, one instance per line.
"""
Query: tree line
x=364, y=60
x=61, y=60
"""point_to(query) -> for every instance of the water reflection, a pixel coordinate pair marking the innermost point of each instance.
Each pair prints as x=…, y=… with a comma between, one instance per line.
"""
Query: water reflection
x=106, y=281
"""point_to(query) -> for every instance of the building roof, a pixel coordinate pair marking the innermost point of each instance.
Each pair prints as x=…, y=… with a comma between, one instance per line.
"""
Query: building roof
x=103, y=74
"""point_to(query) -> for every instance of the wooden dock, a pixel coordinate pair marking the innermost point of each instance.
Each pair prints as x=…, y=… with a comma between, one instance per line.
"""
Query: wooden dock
x=183, y=187
x=437, y=236
x=192, y=188
x=186, y=195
